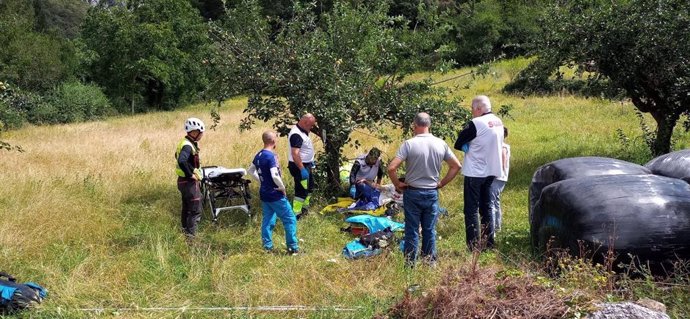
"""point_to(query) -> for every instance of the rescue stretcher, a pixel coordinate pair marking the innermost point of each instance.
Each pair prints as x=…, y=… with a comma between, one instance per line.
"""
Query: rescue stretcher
x=225, y=189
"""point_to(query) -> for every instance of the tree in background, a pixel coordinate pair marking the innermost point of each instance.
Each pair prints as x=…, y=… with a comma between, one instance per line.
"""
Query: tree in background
x=347, y=67
x=484, y=30
x=32, y=57
x=61, y=17
x=148, y=53
x=641, y=47
x=210, y=9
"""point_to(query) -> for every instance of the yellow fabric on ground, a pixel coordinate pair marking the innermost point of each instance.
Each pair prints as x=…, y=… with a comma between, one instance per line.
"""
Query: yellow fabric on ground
x=344, y=202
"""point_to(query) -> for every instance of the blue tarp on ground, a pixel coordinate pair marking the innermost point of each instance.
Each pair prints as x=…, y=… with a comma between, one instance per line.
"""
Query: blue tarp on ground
x=375, y=223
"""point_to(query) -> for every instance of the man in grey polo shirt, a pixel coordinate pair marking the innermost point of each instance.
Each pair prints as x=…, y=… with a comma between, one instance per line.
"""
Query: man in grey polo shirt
x=423, y=155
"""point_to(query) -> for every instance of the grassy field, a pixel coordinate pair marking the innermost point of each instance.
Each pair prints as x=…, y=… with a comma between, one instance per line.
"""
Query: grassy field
x=91, y=211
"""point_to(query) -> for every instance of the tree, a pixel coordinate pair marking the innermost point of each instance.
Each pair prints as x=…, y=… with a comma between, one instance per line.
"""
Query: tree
x=490, y=29
x=147, y=53
x=210, y=9
x=347, y=67
x=638, y=46
x=31, y=59
x=61, y=17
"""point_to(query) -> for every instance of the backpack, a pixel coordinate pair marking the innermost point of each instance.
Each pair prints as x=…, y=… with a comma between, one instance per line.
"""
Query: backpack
x=379, y=239
x=15, y=296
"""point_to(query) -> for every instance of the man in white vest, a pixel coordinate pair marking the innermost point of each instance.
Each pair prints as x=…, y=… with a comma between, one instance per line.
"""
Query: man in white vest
x=301, y=163
x=482, y=164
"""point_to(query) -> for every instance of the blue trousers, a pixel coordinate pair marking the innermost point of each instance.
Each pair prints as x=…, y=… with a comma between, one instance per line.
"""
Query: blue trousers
x=496, y=190
x=421, y=207
x=282, y=209
x=477, y=196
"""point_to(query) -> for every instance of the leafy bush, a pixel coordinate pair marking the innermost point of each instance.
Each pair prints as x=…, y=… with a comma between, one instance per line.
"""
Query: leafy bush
x=13, y=106
x=10, y=118
x=74, y=102
x=69, y=102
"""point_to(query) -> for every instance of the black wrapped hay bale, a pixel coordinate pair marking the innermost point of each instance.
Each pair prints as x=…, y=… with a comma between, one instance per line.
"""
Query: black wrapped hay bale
x=647, y=216
x=674, y=164
x=576, y=167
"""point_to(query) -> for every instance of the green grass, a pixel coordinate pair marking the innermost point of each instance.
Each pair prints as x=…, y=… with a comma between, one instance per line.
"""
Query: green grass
x=91, y=211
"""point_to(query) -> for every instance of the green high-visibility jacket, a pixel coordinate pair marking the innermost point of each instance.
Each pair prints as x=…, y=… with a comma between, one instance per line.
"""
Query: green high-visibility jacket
x=188, y=162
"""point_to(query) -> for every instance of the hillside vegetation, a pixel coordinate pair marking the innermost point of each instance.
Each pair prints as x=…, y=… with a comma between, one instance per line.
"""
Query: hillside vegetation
x=91, y=211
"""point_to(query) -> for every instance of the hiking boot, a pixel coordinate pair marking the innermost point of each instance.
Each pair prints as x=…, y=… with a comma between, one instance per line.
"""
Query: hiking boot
x=189, y=237
x=302, y=214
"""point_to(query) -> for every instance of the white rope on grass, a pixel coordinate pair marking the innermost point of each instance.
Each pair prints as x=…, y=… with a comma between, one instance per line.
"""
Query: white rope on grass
x=246, y=308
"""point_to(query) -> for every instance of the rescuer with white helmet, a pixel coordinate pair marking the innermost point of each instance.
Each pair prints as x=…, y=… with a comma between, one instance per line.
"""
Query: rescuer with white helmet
x=189, y=174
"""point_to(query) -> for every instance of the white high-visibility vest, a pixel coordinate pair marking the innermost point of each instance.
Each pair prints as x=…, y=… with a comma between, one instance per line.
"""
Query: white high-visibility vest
x=306, y=152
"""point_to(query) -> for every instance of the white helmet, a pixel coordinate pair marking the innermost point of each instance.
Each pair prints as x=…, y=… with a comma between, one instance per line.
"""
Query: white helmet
x=192, y=124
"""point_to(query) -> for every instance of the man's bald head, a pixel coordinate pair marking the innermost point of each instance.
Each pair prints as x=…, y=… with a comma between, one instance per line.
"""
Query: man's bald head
x=269, y=137
x=307, y=121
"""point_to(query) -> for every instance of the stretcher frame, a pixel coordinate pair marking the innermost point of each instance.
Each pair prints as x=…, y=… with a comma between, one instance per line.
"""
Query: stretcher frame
x=225, y=190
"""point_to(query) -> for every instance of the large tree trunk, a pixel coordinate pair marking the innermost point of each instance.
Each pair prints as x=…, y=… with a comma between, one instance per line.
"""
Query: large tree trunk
x=665, y=122
x=332, y=169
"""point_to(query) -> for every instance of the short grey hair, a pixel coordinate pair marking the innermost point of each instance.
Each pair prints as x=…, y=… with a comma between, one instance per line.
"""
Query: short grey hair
x=482, y=103
x=422, y=119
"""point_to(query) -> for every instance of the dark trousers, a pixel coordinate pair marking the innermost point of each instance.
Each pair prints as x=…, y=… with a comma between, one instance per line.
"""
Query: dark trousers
x=191, y=204
x=477, y=195
x=301, y=192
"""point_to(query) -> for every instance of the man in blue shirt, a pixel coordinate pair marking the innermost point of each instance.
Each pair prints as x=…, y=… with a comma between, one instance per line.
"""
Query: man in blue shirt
x=266, y=170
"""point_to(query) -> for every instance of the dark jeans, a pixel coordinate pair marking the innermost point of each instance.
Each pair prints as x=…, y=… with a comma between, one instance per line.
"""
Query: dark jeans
x=477, y=195
x=421, y=207
x=191, y=204
x=300, y=192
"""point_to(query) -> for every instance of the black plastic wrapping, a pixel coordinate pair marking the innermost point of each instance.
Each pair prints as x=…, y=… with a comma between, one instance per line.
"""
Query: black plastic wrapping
x=675, y=164
x=576, y=167
x=647, y=216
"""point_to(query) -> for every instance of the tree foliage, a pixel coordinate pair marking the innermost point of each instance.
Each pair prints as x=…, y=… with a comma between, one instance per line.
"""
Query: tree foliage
x=638, y=46
x=147, y=53
x=347, y=67
x=30, y=58
x=488, y=29
x=61, y=17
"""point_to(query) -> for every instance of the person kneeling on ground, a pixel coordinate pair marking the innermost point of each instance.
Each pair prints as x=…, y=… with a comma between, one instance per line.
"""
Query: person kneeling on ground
x=366, y=168
x=375, y=195
x=265, y=169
